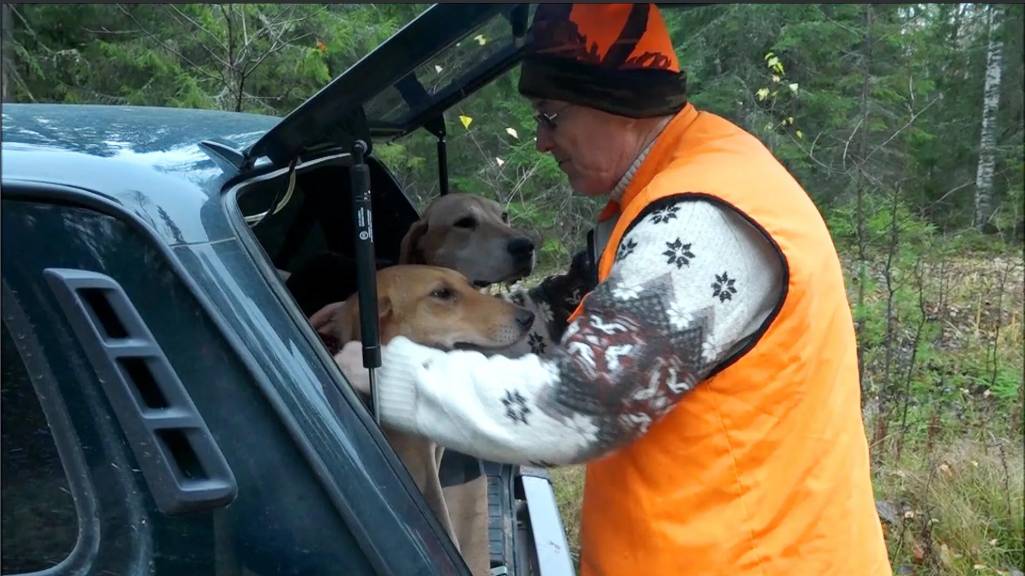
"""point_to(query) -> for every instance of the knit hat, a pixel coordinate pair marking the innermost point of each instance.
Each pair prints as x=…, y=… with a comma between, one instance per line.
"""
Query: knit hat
x=613, y=57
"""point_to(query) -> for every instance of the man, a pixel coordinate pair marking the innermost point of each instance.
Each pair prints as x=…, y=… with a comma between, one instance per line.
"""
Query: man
x=709, y=379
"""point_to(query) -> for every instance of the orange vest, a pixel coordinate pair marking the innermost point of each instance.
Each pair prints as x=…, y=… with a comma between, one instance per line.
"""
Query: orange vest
x=764, y=467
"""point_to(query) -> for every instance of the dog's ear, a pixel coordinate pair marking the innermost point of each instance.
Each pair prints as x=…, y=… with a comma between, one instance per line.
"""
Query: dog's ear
x=383, y=306
x=323, y=319
x=409, y=251
x=332, y=325
x=338, y=322
x=388, y=329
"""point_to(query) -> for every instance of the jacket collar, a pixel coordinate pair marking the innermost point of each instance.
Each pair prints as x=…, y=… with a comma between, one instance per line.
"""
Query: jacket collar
x=651, y=160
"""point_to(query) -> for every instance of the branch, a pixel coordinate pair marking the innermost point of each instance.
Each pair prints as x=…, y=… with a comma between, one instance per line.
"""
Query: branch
x=273, y=50
x=245, y=33
x=811, y=152
x=156, y=38
x=214, y=55
x=13, y=70
x=255, y=97
x=200, y=26
x=848, y=144
x=107, y=98
x=729, y=9
x=526, y=176
x=901, y=129
x=29, y=29
x=230, y=36
x=927, y=206
x=106, y=31
x=276, y=30
x=860, y=170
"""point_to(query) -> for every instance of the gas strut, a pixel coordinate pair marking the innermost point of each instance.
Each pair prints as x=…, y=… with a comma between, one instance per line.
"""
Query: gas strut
x=366, y=269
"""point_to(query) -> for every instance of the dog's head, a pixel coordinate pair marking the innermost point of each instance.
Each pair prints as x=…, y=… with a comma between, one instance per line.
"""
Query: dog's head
x=470, y=234
x=432, y=306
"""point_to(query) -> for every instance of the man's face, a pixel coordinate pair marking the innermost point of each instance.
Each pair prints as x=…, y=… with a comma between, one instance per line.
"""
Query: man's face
x=592, y=147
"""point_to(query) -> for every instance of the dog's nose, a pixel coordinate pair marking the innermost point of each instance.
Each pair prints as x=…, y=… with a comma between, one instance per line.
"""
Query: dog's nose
x=525, y=318
x=521, y=247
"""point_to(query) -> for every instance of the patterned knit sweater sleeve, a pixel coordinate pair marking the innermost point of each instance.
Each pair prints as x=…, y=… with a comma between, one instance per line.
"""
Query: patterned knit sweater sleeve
x=691, y=284
x=552, y=302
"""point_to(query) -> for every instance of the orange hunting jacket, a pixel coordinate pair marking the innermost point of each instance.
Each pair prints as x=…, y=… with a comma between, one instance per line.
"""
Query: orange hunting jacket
x=763, y=468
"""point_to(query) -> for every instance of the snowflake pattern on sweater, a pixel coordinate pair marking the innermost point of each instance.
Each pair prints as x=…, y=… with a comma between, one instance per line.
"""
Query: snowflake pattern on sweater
x=695, y=283
x=624, y=365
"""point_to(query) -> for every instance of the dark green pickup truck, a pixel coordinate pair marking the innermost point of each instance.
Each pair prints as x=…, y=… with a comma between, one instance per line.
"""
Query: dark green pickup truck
x=167, y=408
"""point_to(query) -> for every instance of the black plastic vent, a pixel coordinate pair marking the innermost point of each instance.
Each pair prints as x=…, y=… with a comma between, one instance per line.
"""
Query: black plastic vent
x=180, y=450
x=188, y=472
x=137, y=373
x=103, y=313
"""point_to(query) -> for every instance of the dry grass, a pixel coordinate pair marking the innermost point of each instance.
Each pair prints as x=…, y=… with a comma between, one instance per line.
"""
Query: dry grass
x=958, y=507
x=569, y=493
x=960, y=512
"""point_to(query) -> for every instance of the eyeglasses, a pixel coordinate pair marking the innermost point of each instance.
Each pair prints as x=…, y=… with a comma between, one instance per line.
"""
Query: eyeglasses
x=547, y=119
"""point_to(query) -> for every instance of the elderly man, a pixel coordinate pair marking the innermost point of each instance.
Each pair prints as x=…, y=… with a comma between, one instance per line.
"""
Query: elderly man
x=708, y=378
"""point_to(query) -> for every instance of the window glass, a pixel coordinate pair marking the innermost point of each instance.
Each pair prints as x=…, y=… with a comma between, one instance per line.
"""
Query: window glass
x=445, y=70
x=39, y=523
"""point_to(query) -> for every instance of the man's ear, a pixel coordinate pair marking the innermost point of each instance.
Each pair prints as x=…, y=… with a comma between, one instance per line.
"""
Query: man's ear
x=409, y=251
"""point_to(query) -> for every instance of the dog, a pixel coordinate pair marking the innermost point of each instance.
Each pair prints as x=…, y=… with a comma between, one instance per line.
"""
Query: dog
x=436, y=307
x=430, y=305
x=464, y=232
x=470, y=234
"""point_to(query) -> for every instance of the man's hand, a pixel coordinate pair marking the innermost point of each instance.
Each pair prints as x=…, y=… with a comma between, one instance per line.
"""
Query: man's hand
x=350, y=361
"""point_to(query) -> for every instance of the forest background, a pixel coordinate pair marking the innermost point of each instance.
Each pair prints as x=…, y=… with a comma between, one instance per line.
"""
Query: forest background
x=904, y=122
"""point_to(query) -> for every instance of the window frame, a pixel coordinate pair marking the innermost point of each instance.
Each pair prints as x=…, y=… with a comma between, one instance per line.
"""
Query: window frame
x=65, y=439
x=429, y=547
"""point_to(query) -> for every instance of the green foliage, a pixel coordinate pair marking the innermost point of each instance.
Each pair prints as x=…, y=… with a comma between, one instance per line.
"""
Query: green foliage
x=875, y=109
x=959, y=511
x=857, y=101
x=879, y=95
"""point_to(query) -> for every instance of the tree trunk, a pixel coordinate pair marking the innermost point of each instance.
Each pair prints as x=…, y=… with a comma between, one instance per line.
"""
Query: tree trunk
x=859, y=185
x=5, y=65
x=987, y=138
x=885, y=398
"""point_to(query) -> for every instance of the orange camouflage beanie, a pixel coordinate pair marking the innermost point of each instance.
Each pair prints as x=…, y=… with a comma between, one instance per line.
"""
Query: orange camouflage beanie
x=613, y=57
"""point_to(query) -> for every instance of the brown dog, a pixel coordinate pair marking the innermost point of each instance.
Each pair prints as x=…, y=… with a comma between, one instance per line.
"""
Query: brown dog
x=435, y=307
x=466, y=233
x=470, y=234
x=432, y=306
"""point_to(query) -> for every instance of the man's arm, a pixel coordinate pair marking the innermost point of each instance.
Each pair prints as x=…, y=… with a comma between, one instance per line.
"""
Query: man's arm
x=552, y=301
x=692, y=282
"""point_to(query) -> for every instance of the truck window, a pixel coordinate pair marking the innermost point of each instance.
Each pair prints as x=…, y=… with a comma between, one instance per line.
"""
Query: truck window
x=39, y=522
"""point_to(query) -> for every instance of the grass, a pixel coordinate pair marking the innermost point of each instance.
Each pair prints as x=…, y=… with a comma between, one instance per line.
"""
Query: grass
x=957, y=506
x=959, y=511
x=569, y=493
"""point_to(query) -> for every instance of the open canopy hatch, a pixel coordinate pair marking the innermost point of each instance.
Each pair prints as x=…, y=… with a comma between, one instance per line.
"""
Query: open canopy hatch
x=436, y=60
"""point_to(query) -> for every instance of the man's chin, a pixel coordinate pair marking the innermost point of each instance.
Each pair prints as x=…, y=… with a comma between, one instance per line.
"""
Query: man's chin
x=589, y=189
x=584, y=186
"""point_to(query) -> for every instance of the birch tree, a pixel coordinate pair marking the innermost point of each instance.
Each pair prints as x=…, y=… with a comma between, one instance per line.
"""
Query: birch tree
x=988, y=133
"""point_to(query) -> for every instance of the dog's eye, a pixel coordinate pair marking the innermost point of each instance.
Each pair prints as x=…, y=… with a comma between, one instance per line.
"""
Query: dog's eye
x=442, y=294
x=505, y=217
x=467, y=222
